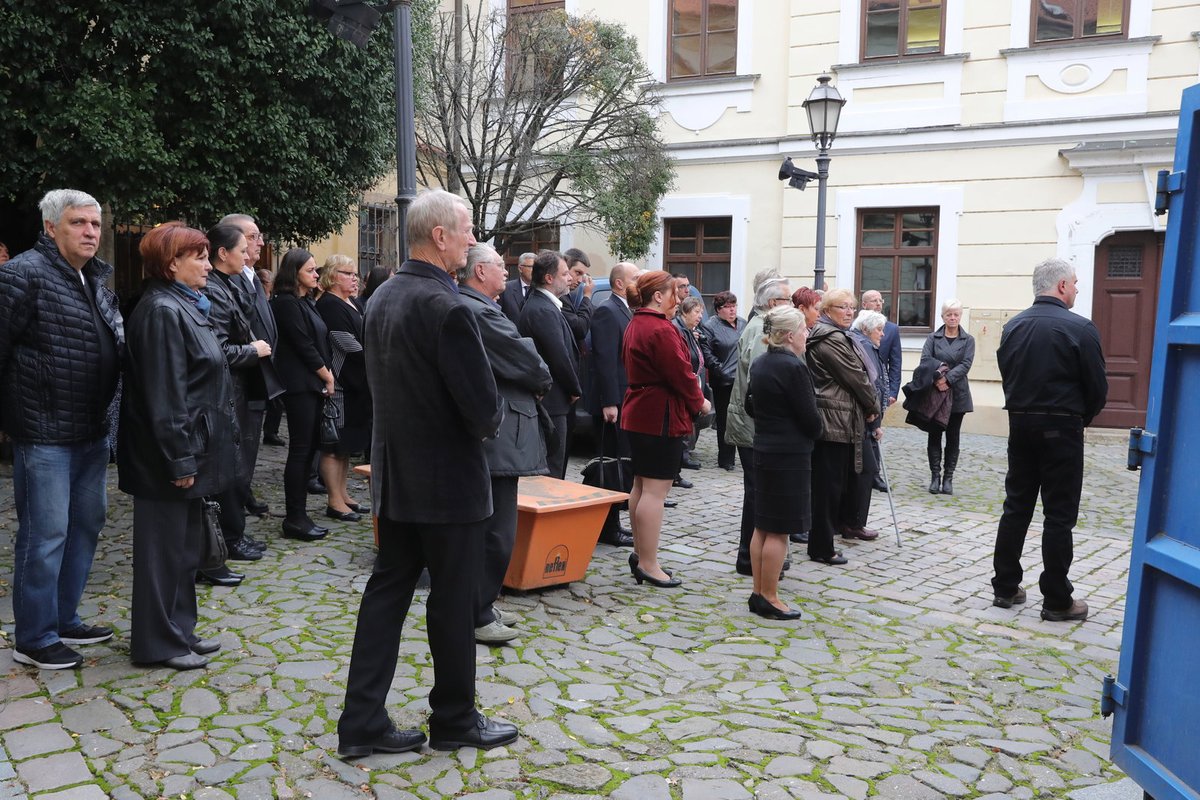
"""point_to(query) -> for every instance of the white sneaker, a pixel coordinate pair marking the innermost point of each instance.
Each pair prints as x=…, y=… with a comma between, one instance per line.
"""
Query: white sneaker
x=505, y=617
x=495, y=633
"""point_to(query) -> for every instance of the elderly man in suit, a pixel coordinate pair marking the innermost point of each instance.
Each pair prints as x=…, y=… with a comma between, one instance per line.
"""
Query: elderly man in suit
x=543, y=321
x=432, y=489
x=521, y=377
x=893, y=361
x=608, y=373
x=516, y=291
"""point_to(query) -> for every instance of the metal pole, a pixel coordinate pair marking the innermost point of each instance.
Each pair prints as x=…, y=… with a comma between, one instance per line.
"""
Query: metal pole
x=891, y=504
x=406, y=137
x=822, y=180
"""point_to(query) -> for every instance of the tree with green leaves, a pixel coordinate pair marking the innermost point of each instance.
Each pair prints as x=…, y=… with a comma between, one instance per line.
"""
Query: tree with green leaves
x=194, y=108
x=543, y=117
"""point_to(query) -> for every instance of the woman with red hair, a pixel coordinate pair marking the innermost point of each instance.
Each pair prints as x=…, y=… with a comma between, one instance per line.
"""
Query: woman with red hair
x=662, y=400
x=178, y=443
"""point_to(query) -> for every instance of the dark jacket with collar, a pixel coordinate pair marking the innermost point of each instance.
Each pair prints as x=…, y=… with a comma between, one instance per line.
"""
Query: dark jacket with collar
x=892, y=356
x=719, y=343
x=263, y=382
x=845, y=394
x=609, y=383
x=177, y=410
x=577, y=308
x=784, y=406
x=545, y=323
x=958, y=354
x=1050, y=360
x=521, y=376
x=50, y=347
x=928, y=409
x=512, y=299
x=232, y=329
x=435, y=401
x=303, y=343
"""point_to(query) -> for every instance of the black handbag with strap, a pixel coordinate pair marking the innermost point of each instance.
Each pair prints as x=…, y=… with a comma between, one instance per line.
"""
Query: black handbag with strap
x=213, y=550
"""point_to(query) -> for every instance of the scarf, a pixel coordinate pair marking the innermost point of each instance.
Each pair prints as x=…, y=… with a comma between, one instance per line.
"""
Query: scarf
x=200, y=301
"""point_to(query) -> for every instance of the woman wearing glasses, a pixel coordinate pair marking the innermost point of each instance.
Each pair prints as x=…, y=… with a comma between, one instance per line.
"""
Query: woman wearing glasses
x=847, y=402
x=340, y=309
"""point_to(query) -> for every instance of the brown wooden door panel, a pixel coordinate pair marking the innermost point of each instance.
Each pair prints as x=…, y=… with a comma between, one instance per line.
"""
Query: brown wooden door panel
x=1126, y=298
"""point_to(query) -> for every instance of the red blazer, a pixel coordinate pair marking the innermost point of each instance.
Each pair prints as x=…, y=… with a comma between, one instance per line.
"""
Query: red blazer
x=663, y=391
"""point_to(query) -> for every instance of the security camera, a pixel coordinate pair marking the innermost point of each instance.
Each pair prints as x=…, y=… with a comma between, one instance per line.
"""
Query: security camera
x=797, y=178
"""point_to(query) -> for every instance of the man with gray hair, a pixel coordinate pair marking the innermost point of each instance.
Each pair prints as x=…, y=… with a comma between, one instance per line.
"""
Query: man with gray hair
x=61, y=341
x=521, y=377
x=516, y=291
x=435, y=403
x=1053, y=373
x=771, y=290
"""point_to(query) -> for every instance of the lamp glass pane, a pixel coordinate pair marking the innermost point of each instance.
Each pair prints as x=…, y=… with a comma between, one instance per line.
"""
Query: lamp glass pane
x=722, y=53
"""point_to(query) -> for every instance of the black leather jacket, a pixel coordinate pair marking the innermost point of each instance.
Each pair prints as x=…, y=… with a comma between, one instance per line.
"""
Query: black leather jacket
x=50, y=349
x=177, y=413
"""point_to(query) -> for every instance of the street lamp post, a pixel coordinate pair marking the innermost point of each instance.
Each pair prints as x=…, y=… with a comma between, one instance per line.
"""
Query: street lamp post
x=824, y=107
x=406, y=137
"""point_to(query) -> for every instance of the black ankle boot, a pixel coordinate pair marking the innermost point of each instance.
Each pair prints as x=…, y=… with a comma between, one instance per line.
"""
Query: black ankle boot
x=935, y=468
x=948, y=477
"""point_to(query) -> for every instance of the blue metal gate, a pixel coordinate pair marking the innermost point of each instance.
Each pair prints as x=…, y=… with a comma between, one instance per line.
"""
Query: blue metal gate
x=1156, y=730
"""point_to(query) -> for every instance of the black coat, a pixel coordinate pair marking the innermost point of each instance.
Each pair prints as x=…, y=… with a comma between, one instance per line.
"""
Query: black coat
x=435, y=401
x=521, y=376
x=263, y=383
x=232, y=328
x=544, y=322
x=958, y=354
x=719, y=343
x=303, y=343
x=50, y=348
x=177, y=410
x=512, y=299
x=577, y=308
x=783, y=403
x=608, y=368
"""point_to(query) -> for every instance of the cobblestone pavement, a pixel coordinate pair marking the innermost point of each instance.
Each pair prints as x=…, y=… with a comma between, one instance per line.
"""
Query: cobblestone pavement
x=902, y=681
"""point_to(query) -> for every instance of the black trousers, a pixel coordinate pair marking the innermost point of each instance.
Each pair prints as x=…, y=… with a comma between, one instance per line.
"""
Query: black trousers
x=953, y=437
x=830, y=463
x=1045, y=454
x=725, y=452
x=746, y=454
x=304, y=417
x=273, y=416
x=497, y=545
x=450, y=552
x=556, y=459
x=856, y=499
x=233, y=500
x=166, y=551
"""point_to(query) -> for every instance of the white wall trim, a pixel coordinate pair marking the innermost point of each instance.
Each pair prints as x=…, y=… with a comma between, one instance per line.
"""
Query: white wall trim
x=948, y=199
x=709, y=205
x=1073, y=73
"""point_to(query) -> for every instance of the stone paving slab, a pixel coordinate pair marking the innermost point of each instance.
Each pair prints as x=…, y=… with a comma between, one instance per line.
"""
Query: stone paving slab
x=901, y=681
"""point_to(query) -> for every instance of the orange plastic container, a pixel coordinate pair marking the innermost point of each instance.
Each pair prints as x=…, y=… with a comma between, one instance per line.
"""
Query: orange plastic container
x=558, y=523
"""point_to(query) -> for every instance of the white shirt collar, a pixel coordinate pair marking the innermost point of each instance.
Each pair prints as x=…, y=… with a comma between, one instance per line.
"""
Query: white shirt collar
x=550, y=294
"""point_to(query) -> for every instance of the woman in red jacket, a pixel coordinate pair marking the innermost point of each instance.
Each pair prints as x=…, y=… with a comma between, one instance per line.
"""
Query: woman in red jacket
x=663, y=398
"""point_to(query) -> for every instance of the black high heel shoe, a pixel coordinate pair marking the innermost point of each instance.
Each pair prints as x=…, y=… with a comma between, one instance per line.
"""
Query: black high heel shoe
x=768, y=610
x=633, y=562
x=640, y=576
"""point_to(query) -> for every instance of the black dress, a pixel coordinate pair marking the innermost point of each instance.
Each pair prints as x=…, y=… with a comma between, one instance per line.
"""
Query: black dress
x=352, y=379
x=786, y=423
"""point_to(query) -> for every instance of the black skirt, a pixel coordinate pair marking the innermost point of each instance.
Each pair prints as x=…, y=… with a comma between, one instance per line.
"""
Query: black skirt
x=655, y=457
x=782, y=492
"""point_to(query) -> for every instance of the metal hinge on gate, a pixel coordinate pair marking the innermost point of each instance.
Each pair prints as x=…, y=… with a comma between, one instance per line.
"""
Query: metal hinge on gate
x=1112, y=695
x=1141, y=443
x=1169, y=183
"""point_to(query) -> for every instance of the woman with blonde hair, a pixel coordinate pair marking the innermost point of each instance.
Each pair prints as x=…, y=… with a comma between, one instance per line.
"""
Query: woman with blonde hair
x=955, y=348
x=343, y=316
x=786, y=424
x=847, y=402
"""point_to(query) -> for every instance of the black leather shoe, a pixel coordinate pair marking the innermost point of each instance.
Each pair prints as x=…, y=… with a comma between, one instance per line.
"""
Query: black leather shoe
x=682, y=483
x=253, y=543
x=273, y=440
x=835, y=559
x=315, y=486
x=221, y=577
x=726, y=467
x=764, y=608
x=241, y=550
x=341, y=516
x=359, y=508
x=669, y=503
x=394, y=741
x=305, y=532
x=485, y=735
x=623, y=539
x=799, y=538
x=204, y=647
x=689, y=463
x=878, y=485
x=257, y=507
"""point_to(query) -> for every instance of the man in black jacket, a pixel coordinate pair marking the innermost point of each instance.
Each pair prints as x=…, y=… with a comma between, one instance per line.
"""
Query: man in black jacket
x=543, y=321
x=61, y=343
x=1053, y=374
x=512, y=299
x=435, y=403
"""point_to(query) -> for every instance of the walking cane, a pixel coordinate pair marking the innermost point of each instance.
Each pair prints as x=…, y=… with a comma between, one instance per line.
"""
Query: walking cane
x=887, y=480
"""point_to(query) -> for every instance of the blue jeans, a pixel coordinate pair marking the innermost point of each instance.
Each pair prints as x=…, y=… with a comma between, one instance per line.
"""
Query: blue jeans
x=61, y=502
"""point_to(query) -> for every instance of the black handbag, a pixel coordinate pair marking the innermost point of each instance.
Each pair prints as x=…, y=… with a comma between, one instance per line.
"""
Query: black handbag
x=213, y=550
x=330, y=416
x=614, y=474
